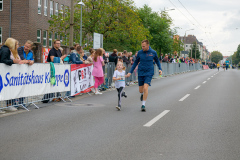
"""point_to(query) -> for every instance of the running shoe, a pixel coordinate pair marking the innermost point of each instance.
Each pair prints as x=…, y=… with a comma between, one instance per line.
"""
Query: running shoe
x=118, y=107
x=124, y=94
x=143, y=108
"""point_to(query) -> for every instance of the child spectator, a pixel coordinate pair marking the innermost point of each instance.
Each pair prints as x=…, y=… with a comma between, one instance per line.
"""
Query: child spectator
x=97, y=69
x=119, y=78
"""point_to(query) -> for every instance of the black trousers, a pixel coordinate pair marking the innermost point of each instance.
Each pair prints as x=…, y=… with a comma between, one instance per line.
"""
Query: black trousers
x=120, y=91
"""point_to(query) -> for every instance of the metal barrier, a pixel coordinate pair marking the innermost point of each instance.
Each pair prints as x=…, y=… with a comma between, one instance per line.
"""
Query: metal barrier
x=167, y=69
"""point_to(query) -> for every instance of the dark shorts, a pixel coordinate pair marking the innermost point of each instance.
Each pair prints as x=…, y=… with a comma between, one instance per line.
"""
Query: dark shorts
x=144, y=79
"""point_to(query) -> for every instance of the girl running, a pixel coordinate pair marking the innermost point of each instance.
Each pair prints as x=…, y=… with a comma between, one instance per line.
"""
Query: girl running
x=119, y=78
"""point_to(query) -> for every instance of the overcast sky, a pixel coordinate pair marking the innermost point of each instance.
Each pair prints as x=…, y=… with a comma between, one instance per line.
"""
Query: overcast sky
x=216, y=23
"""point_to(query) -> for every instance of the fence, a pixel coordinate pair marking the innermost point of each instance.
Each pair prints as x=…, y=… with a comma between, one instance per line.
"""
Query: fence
x=23, y=102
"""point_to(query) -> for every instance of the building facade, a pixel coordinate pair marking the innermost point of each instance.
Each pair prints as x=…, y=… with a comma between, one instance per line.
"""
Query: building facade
x=28, y=20
x=189, y=41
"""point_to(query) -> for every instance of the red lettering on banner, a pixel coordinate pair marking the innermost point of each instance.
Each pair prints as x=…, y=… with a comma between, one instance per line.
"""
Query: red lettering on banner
x=205, y=67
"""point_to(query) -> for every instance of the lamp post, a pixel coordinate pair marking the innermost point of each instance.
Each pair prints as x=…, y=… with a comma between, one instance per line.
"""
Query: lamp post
x=82, y=4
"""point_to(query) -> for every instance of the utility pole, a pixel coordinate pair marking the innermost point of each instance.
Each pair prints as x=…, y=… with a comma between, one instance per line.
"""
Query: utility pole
x=196, y=50
x=71, y=24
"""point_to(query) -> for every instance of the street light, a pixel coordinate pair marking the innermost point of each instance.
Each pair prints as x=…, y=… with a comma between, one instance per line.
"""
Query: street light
x=82, y=4
x=164, y=11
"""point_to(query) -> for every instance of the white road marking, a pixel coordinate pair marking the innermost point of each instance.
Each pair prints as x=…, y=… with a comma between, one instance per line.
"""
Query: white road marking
x=182, y=99
x=208, y=78
x=204, y=82
x=197, y=87
x=154, y=120
x=211, y=76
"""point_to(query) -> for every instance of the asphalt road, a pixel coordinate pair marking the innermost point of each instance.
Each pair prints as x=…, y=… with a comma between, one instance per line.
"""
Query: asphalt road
x=191, y=116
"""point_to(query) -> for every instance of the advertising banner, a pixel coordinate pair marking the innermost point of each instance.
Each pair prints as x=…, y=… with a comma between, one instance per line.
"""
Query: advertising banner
x=24, y=80
x=45, y=52
x=81, y=78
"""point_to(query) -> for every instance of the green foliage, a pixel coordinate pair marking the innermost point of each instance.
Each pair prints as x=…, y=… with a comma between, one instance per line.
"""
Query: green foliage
x=177, y=45
x=195, y=51
x=161, y=36
x=116, y=20
x=236, y=56
x=216, y=56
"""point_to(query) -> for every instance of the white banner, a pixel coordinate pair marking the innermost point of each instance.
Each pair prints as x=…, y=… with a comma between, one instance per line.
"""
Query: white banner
x=81, y=78
x=24, y=80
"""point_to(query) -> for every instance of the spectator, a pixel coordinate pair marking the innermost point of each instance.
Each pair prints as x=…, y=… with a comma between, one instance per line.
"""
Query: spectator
x=55, y=52
x=119, y=54
x=105, y=57
x=81, y=53
x=75, y=47
x=25, y=52
x=161, y=58
x=9, y=55
x=98, y=70
x=134, y=56
x=165, y=59
x=120, y=59
x=113, y=57
x=74, y=58
x=90, y=58
x=7, y=51
x=125, y=57
x=130, y=58
x=68, y=56
x=55, y=56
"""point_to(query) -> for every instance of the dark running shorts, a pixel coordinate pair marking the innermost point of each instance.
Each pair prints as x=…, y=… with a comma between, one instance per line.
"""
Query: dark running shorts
x=144, y=79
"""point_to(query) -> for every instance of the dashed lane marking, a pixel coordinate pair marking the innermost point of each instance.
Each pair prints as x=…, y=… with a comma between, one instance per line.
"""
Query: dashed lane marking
x=204, y=82
x=182, y=99
x=197, y=87
x=154, y=120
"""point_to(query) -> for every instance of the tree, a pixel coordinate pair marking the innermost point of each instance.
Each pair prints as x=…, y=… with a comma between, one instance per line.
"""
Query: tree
x=236, y=56
x=117, y=20
x=161, y=36
x=195, y=50
x=216, y=56
x=177, y=45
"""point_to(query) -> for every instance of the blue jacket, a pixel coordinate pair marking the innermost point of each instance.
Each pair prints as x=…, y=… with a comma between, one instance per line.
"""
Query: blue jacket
x=146, y=67
x=23, y=55
x=73, y=59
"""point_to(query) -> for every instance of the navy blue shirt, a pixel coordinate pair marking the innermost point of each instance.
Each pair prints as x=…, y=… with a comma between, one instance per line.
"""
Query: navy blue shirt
x=146, y=67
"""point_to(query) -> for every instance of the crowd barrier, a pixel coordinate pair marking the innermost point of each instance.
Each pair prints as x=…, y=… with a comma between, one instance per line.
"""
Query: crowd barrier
x=23, y=85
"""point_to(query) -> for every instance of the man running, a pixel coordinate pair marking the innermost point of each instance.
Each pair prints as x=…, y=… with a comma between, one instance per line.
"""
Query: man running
x=145, y=69
x=227, y=64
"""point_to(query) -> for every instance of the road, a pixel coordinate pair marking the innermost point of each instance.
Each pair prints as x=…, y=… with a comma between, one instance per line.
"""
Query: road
x=191, y=116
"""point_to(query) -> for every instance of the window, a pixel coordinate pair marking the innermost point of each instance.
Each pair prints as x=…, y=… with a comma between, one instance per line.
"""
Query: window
x=44, y=38
x=0, y=35
x=39, y=6
x=1, y=5
x=50, y=40
x=45, y=7
x=51, y=8
x=56, y=9
x=186, y=45
x=56, y=36
x=39, y=36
